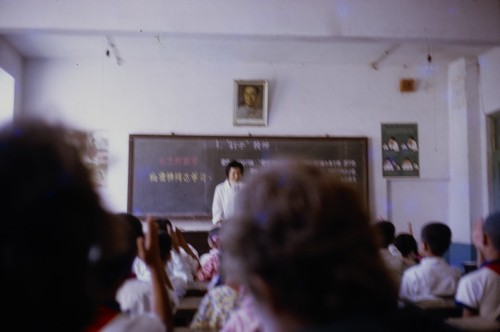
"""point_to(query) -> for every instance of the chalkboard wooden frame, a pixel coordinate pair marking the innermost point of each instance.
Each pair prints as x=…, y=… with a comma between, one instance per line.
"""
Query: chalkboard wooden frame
x=174, y=176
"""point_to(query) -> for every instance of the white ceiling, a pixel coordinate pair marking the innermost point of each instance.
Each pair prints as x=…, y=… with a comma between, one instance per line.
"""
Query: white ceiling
x=230, y=48
x=378, y=32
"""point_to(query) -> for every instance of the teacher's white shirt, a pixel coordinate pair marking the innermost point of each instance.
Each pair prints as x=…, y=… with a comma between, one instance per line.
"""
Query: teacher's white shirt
x=224, y=201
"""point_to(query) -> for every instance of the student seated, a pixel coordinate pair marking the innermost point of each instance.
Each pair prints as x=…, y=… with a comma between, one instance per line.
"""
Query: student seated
x=115, y=270
x=408, y=247
x=433, y=277
x=209, y=262
x=179, y=270
x=392, y=257
x=186, y=252
x=243, y=318
x=216, y=306
x=303, y=246
x=479, y=291
x=134, y=295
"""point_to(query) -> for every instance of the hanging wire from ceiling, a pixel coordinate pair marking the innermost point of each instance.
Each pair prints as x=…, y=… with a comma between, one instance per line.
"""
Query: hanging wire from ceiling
x=114, y=51
x=429, y=57
x=375, y=64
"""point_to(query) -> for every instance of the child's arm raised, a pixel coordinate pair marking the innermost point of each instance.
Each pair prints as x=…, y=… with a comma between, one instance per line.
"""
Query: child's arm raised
x=148, y=250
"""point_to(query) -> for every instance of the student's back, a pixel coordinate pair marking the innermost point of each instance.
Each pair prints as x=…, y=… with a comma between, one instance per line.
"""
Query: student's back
x=479, y=291
x=408, y=247
x=215, y=307
x=385, y=231
x=433, y=277
x=209, y=262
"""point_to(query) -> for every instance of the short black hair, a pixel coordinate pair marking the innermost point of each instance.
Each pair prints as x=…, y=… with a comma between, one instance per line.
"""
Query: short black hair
x=438, y=236
x=163, y=223
x=406, y=244
x=234, y=164
x=386, y=232
x=134, y=222
x=164, y=243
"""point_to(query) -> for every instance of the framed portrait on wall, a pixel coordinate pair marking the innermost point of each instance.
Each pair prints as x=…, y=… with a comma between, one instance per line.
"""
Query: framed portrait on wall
x=250, y=103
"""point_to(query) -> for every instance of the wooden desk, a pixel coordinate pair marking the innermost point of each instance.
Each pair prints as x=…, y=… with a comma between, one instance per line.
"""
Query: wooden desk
x=186, y=310
x=475, y=324
x=441, y=307
x=189, y=303
x=187, y=329
x=197, y=288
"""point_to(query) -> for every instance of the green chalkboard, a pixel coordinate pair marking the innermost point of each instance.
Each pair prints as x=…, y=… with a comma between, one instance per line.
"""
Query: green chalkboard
x=175, y=176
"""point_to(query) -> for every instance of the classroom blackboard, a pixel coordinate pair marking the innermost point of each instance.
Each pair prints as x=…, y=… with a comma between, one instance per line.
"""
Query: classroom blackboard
x=175, y=176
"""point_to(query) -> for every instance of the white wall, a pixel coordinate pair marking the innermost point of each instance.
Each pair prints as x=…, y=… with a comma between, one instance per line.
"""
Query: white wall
x=466, y=198
x=197, y=99
x=490, y=80
x=418, y=201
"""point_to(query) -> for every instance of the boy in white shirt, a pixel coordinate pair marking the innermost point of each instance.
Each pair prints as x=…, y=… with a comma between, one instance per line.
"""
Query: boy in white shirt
x=479, y=291
x=433, y=277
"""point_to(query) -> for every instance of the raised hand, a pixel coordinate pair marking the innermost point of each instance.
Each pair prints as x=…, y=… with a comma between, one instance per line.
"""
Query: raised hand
x=147, y=247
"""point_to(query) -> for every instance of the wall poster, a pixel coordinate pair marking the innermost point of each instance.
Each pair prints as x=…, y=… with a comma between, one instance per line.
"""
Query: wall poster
x=400, y=150
x=93, y=146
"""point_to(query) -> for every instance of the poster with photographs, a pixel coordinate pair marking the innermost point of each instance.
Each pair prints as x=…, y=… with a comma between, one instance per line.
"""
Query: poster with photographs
x=94, y=148
x=400, y=150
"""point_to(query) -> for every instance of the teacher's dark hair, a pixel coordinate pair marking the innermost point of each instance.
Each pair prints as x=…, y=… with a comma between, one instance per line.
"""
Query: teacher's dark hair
x=234, y=164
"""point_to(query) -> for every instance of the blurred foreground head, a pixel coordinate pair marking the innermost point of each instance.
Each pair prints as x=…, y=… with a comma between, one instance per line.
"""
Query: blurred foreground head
x=53, y=230
x=302, y=243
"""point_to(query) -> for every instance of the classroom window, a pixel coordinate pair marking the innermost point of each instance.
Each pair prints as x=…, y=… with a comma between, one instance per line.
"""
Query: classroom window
x=6, y=96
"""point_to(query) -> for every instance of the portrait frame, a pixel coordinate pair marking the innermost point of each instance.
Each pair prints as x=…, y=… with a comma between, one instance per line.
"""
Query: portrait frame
x=253, y=110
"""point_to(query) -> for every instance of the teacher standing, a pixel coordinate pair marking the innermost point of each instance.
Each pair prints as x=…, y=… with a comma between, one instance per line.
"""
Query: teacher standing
x=225, y=193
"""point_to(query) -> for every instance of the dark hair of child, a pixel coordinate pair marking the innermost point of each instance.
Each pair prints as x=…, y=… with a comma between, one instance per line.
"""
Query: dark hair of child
x=437, y=236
